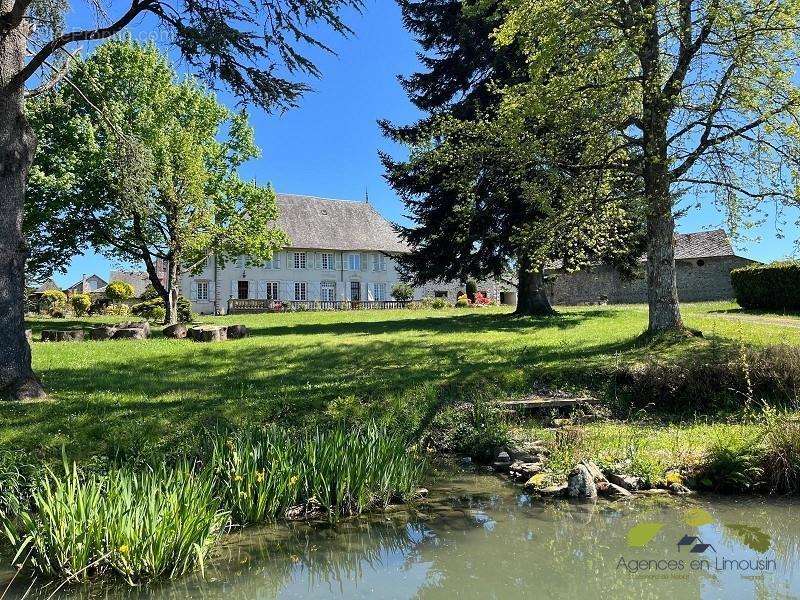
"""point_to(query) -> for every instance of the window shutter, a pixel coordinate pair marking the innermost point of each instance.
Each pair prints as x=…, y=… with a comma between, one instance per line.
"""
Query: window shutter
x=376, y=263
x=364, y=259
x=234, y=289
x=370, y=296
x=338, y=260
x=211, y=292
x=276, y=260
x=262, y=290
x=194, y=291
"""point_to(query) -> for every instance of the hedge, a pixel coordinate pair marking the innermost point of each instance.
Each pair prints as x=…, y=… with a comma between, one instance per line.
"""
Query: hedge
x=774, y=286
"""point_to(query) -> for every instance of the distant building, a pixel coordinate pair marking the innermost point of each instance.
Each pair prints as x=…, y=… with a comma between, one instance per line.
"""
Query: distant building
x=139, y=280
x=703, y=263
x=48, y=284
x=89, y=284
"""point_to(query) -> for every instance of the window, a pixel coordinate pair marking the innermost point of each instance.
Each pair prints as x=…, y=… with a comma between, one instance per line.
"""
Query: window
x=243, y=290
x=327, y=291
x=379, y=262
x=274, y=263
x=354, y=262
x=440, y=294
x=202, y=291
x=241, y=262
x=701, y=262
x=355, y=291
x=327, y=261
x=300, y=260
x=379, y=292
x=267, y=290
x=300, y=291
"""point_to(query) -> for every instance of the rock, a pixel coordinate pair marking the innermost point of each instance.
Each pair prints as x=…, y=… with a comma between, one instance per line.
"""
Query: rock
x=629, y=482
x=143, y=325
x=130, y=333
x=209, y=333
x=421, y=493
x=553, y=491
x=179, y=331
x=652, y=492
x=594, y=471
x=56, y=335
x=562, y=422
x=527, y=457
x=501, y=467
x=611, y=490
x=523, y=471
x=29, y=336
x=466, y=460
x=503, y=457
x=105, y=332
x=237, y=332
x=581, y=484
x=678, y=488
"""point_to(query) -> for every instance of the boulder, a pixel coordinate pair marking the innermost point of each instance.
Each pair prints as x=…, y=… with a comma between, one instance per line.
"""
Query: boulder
x=612, y=491
x=628, y=482
x=523, y=471
x=237, y=332
x=143, y=325
x=178, y=331
x=679, y=489
x=553, y=491
x=581, y=484
x=105, y=332
x=594, y=470
x=209, y=333
x=130, y=333
x=652, y=492
x=68, y=335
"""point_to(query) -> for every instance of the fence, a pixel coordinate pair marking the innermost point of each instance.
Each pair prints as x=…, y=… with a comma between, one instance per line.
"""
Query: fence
x=236, y=306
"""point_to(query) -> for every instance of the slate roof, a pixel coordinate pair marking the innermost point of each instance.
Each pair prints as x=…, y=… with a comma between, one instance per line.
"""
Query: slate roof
x=322, y=223
x=138, y=279
x=48, y=284
x=702, y=244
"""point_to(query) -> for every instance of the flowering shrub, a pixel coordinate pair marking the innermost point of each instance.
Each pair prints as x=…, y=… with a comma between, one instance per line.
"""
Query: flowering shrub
x=462, y=302
x=80, y=303
x=482, y=299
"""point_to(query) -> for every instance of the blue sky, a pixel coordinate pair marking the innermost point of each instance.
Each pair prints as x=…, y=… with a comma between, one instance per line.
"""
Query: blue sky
x=328, y=145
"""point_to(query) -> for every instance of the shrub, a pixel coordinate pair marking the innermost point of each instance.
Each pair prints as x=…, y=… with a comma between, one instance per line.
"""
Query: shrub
x=402, y=292
x=118, y=291
x=781, y=452
x=462, y=302
x=439, y=303
x=482, y=300
x=149, y=293
x=152, y=310
x=80, y=303
x=140, y=526
x=476, y=428
x=119, y=310
x=53, y=301
x=774, y=286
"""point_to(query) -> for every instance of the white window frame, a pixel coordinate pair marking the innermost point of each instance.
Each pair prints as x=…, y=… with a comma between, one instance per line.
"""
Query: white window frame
x=300, y=291
x=328, y=287
x=201, y=284
x=382, y=295
x=272, y=264
x=273, y=290
x=354, y=261
x=327, y=261
x=300, y=260
x=379, y=262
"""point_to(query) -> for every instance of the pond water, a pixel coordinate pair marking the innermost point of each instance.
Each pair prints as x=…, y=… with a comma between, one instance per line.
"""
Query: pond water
x=479, y=537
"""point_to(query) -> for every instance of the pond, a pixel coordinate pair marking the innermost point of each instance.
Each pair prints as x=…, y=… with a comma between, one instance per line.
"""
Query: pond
x=480, y=537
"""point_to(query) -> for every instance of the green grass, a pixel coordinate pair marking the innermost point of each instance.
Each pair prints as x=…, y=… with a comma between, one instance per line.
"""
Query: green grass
x=118, y=396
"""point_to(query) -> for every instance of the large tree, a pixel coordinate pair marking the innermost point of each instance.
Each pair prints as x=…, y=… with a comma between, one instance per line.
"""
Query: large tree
x=700, y=94
x=157, y=176
x=254, y=48
x=482, y=188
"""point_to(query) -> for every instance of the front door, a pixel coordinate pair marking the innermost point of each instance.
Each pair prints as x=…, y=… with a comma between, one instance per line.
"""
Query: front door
x=243, y=290
x=355, y=291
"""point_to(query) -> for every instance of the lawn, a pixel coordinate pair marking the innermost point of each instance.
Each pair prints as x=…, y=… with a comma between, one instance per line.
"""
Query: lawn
x=122, y=395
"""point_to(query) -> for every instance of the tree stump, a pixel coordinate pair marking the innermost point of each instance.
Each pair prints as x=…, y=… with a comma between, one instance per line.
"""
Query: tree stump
x=67, y=335
x=236, y=332
x=178, y=331
x=29, y=336
x=143, y=325
x=102, y=333
x=130, y=333
x=208, y=333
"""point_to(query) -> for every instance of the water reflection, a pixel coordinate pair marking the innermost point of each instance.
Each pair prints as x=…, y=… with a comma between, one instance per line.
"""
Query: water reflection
x=479, y=538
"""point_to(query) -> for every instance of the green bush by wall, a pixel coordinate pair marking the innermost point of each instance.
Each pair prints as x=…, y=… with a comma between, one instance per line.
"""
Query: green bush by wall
x=774, y=286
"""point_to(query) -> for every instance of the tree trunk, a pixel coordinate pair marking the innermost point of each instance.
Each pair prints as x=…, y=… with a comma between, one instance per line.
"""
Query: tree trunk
x=17, y=145
x=531, y=291
x=171, y=297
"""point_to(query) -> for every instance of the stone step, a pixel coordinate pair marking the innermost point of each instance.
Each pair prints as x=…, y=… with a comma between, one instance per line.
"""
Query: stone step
x=536, y=402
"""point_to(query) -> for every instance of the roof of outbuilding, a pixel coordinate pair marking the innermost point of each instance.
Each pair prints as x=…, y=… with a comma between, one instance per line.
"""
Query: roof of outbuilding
x=322, y=223
x=702, y=244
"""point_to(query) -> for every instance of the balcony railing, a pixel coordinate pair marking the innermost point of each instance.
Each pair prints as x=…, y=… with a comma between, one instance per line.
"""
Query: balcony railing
x=236, y=306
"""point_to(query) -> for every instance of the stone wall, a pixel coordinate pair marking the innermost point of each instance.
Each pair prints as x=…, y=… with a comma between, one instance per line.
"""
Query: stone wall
x=697, y=279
